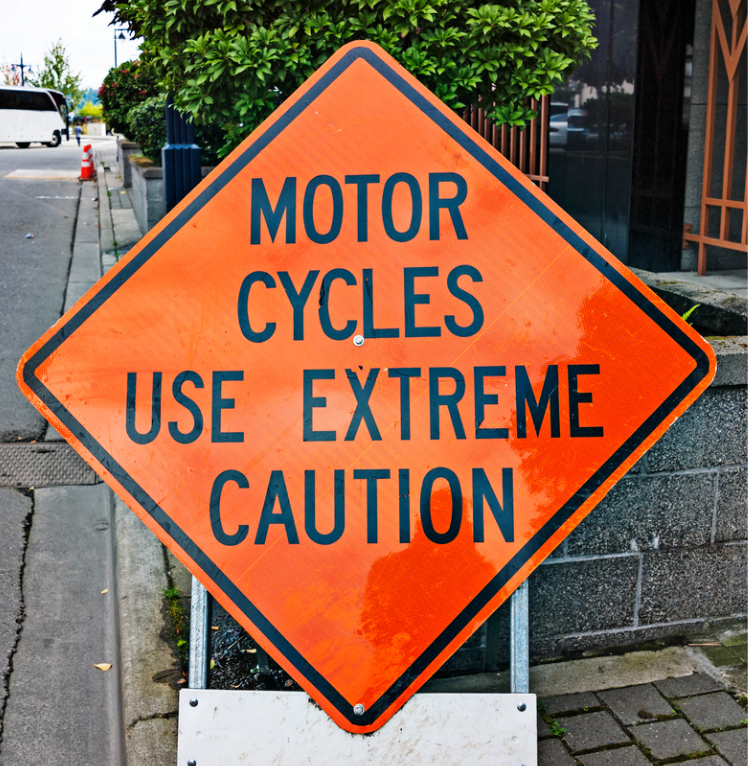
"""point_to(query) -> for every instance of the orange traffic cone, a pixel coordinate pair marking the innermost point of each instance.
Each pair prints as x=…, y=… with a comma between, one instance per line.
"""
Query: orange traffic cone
x=87, y=164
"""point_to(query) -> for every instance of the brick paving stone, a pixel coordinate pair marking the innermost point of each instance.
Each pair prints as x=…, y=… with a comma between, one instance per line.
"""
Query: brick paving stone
x=669, y=739
x=552, y=753
x=570, y=703
x=635, y=704
x=712, y=711
x=622, y=756
x=544, y=730
x=713, y=760
x=592, y=730
x=732, y=745
x=688, y=686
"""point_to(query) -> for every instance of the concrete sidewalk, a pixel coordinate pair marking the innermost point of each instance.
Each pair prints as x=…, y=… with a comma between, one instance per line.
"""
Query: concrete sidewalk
x=732, y=281
x=118, y=227
x=142, y=717
x=680, y=704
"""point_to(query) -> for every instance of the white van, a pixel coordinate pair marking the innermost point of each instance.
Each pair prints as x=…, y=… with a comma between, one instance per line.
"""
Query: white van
x=29, y=114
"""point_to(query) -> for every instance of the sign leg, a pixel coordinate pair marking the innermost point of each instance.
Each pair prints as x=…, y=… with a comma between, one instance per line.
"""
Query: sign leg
x=520, y=651
x=198, y=659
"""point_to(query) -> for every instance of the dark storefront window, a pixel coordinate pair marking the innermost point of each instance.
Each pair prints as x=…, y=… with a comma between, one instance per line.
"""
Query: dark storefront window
x=664, y=72
x=590, y=130
x=618, y=131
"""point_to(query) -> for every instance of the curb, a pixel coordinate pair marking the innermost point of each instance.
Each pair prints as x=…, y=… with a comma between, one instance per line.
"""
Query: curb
x=592, y=674
x=118, y=226
x=149, y=671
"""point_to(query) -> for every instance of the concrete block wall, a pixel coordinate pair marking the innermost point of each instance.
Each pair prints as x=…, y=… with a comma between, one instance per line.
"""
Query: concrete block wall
x=148, y=194
x=124, y=151
x=665, y=553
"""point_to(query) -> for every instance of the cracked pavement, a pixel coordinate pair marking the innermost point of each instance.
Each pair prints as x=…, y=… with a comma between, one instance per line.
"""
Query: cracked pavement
x=56, y=546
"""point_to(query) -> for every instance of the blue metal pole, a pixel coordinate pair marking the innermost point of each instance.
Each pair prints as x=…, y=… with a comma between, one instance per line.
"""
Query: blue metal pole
x=181, y=158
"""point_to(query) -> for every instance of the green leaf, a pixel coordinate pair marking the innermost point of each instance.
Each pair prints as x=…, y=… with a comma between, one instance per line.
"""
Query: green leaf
x=687, y=314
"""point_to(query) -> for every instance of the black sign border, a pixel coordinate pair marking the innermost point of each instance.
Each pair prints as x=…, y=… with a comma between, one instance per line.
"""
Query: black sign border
x=192, y=550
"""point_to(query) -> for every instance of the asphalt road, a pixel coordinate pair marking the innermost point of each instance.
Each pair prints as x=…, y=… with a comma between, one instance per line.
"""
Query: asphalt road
x=33, y=271
x=58, y=636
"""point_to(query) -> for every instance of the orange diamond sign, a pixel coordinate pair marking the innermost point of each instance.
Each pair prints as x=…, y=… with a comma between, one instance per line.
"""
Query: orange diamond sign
x=363, y=380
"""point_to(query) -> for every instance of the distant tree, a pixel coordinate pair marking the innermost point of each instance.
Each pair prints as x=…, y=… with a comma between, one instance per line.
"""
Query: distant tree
x=57, y=75
x=9, y=75
x=90, y=110
x=91, y=94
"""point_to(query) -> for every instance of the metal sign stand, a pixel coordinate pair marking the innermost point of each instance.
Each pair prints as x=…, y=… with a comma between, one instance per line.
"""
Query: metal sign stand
x=239, y=718
x=519, y=666
x=519, y=661
x=198, y=654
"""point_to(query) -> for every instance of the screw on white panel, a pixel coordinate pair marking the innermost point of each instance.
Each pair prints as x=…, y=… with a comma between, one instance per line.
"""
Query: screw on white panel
x=193, y=702
x=522, y=707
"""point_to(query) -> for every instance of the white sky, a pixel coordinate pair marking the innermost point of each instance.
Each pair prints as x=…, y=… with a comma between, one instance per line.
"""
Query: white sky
x=30, y=27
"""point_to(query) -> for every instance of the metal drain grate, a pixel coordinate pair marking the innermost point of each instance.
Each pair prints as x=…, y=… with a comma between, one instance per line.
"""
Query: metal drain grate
x=41, y=465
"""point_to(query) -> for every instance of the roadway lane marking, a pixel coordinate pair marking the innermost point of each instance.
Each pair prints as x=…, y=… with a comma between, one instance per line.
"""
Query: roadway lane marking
x=45, y=173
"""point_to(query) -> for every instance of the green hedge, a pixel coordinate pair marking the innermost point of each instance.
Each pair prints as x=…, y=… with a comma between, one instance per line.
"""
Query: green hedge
x=232, y=62
x=147, y=125
x=125, y=86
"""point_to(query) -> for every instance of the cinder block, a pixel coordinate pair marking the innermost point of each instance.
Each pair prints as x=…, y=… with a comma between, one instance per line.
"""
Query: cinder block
x=712, y=432
x=543, y=647
x=464, y=660
x=731, y=518
x=682, y=584
x=648, y=512
x=576, y=596
x=732, y=356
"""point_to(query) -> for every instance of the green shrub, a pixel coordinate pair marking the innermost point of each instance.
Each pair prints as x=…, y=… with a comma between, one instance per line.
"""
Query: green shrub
x=125, y=86
x=232, y=62
x=147, y=125
x=91, y=110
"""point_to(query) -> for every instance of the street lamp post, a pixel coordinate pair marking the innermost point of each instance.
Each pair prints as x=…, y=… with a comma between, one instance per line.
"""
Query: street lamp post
x=21, y=66
x=117, y=37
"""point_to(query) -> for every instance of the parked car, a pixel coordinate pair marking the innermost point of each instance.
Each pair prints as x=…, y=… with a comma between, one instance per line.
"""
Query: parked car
x=567, y=129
